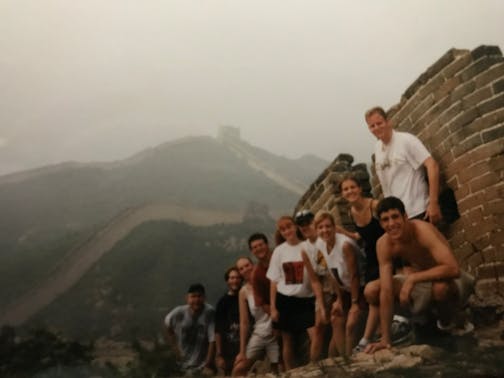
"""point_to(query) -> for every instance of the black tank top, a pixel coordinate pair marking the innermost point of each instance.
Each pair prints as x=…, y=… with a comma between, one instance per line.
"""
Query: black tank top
x=370, y=233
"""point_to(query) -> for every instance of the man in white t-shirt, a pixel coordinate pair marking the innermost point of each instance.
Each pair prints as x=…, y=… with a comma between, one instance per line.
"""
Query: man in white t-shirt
x=400, y=159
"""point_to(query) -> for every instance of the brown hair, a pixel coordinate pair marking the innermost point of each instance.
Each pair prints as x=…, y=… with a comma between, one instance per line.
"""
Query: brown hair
x=279, y=239
x=349, y=177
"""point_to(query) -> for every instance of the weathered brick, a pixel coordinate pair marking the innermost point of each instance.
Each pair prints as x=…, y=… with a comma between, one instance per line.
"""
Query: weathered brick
x=482, y=242
x=463, y=252
x=447, y=87
x=475, y=259
x=483, y=181
x=494, y=133
x=461, y=62
x=488, y=255
x=490, y=270
x=498, y=86
x=450, y=113
x=463, y=119
x=476, y=97
x=494, y=191
x=462, y=91
x=421, y=109
x=471, y=201
x=492, y=104
x=431, y=86
x=496, y=163
x=413, y=88
x=489, y=120
x=488, y=150
x=405, y=111
x=467, y=145
x=405, y=125
x=485, y=50
x=479, y=66
x=472, y=171
x=492, y=74
x=493, y=207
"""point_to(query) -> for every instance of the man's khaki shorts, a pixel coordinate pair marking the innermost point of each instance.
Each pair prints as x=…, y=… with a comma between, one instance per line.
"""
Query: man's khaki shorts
x=421, y=295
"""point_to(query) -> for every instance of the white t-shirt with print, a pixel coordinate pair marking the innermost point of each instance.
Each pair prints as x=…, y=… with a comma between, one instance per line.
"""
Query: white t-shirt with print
x=287, y=270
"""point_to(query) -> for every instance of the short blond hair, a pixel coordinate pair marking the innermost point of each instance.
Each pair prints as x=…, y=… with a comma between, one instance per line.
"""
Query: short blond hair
x=376, y=109
x=322, y=215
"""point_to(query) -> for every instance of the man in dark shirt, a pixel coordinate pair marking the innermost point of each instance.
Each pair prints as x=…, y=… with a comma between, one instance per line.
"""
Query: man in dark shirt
x=227, y=323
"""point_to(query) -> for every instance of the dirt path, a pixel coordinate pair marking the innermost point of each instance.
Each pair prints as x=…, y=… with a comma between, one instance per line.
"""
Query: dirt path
x=78, y=261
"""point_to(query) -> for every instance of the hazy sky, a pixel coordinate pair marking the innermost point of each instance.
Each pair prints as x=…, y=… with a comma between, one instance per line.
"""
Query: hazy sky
x=102, y=79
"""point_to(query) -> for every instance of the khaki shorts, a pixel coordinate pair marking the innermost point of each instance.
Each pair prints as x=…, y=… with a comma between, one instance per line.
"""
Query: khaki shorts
x=421, y=295
x=259, y=345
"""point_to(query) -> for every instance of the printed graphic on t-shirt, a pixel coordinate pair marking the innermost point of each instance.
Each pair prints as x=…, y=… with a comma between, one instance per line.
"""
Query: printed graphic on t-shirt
x=293, y=271
x=320, y=264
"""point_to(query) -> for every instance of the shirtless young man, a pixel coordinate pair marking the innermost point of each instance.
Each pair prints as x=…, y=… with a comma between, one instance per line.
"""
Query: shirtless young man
x=435, y=279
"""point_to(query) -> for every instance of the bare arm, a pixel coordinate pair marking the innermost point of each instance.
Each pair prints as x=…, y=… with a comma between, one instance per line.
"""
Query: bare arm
x=316, y=286
x=344, y=231
x=244, y=324
x=349, y=254
x=433, y=212
x=171, y=340
x=257, y=288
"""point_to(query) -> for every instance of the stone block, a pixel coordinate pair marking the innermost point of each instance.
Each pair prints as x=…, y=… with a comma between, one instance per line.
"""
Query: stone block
x=498, y=86
x=483, y=181
x=489, y=120
x=472, y=171
x=463, y=119
x=447, y=87
x=488, y=150
x=468, y=145
x=492, y=74
x=492, y=104
x=494, y=133
x=485, y=50
x=496, y=163
x=453, y=111
x=458, y=65
x=476, y=97
x=479, y=66
x=462, y=90
x=471, y=201
x=475, y=260
x=428, y=89
x=464, y=252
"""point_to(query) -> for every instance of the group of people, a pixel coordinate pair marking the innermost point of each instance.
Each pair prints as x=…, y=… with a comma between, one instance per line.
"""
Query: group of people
x=323, y=280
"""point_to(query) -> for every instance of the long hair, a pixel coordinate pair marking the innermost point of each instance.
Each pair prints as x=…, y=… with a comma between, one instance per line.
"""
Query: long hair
x=279, y=239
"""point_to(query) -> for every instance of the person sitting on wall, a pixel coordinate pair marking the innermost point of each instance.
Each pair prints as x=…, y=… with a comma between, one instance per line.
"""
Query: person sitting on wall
x=434, y=278
x=189, y=330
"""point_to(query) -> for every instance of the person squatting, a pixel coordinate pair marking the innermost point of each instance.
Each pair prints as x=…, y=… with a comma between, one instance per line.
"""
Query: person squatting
x=336, y=291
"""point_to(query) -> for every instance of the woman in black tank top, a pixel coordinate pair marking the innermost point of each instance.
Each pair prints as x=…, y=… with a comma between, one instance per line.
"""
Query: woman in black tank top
x=362, y=211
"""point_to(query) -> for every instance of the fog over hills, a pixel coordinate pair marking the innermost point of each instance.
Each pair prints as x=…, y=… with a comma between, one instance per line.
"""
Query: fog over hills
x=56, y=217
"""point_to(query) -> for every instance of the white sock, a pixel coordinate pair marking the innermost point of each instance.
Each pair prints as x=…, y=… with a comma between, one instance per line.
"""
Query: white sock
x=363, y=341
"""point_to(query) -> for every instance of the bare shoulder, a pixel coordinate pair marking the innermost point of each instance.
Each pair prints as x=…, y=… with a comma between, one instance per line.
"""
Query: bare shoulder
x=426, y=232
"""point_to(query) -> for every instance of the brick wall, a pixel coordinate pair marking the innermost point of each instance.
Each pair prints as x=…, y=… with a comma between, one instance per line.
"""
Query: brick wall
x=456, y=107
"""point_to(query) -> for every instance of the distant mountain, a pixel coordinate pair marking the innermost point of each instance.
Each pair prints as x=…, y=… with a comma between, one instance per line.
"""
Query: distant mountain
x=49, y=212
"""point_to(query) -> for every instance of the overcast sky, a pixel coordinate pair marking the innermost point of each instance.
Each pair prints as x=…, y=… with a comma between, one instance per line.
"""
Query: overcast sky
x=101, y=80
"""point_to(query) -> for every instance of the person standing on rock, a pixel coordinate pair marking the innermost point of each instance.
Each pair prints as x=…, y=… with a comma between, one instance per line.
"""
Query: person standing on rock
x=400, y=159
x=227, y=323
x=435, y=277
x=189, y=330
x=292, y=299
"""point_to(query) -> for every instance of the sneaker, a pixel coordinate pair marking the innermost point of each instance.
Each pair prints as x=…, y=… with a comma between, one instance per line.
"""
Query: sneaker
x=359, y=348
x=453, y=330
x=401, y=330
